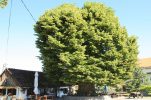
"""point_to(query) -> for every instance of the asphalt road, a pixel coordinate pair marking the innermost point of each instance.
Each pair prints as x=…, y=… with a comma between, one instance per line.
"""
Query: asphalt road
x=126, y=98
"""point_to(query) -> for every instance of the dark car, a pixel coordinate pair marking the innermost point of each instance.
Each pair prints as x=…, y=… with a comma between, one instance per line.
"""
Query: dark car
x=114, y=95
x=136, y=94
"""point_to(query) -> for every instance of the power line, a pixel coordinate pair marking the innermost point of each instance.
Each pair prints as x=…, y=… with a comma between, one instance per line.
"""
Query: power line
x=9, y=24
x=8, y=30
x=28, y=10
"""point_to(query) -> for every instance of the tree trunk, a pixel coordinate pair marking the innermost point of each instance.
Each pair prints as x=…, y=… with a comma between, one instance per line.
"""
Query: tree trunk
x=86, y=89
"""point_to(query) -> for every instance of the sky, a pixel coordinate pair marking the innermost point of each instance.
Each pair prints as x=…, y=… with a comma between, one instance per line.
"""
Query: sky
x=22, y=53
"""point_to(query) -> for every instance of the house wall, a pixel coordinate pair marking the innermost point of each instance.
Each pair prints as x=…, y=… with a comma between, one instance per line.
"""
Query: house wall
x=7, y=82
x=148, y=72
x=3, y=76
x=10, y=81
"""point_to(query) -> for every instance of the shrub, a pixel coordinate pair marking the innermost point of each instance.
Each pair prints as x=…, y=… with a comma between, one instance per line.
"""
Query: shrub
x=146, y=89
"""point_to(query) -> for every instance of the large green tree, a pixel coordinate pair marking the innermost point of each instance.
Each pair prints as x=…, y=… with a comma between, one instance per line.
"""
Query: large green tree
x=85, y=46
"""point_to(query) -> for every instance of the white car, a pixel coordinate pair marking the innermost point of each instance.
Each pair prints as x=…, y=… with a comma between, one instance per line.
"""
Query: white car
x=63, y=91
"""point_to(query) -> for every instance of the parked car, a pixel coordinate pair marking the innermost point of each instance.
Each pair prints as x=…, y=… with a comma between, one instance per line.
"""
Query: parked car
x=63, y=91
x=136, y=94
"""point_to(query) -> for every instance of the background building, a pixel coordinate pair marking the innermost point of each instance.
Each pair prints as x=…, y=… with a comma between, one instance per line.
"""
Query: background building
x=145, y=64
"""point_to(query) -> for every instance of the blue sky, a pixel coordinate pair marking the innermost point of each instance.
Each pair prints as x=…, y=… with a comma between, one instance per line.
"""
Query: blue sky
x=135, y=15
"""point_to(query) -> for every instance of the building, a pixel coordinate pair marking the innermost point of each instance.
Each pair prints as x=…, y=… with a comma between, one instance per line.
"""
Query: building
x=21, y=83
x=145, y=64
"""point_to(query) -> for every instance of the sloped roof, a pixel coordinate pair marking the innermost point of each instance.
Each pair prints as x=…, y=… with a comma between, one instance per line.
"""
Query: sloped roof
x=145, y=63
x=25, y=78
x=6, y=82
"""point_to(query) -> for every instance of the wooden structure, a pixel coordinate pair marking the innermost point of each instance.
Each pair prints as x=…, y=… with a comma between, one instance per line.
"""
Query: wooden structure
x=20, y=83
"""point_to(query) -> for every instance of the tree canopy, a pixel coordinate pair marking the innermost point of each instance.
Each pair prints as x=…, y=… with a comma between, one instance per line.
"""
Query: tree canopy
x=85, y=45
x=3, y=3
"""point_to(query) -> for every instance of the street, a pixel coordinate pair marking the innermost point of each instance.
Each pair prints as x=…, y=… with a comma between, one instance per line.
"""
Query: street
x=126, y=98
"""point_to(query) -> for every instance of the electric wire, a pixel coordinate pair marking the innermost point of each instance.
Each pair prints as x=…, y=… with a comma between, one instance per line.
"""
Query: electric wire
x=8, y=35
x=8, y=30
x=28, y=10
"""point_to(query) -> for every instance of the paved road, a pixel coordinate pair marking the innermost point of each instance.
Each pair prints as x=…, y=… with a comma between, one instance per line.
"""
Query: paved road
x=125, y=98
x=119, y=98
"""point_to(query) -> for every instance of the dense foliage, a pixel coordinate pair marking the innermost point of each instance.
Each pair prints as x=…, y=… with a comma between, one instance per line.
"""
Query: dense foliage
x=85, y=45
x=3, y=3
x=139, y=79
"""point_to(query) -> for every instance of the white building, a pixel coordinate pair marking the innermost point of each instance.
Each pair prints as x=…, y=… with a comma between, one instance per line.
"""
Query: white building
x=145, y=64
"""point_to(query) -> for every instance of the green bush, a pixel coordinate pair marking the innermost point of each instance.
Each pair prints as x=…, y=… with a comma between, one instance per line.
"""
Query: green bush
x=146, y=89
x=149, y=94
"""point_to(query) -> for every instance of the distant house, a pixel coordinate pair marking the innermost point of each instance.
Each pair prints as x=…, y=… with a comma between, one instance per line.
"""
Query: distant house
x=145, y=64
x=21, y=83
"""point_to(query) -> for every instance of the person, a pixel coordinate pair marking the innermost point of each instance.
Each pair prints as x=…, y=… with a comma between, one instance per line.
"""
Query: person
x=105, y=89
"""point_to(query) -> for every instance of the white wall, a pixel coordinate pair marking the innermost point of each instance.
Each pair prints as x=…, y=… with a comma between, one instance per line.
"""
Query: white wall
x=148, y=72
